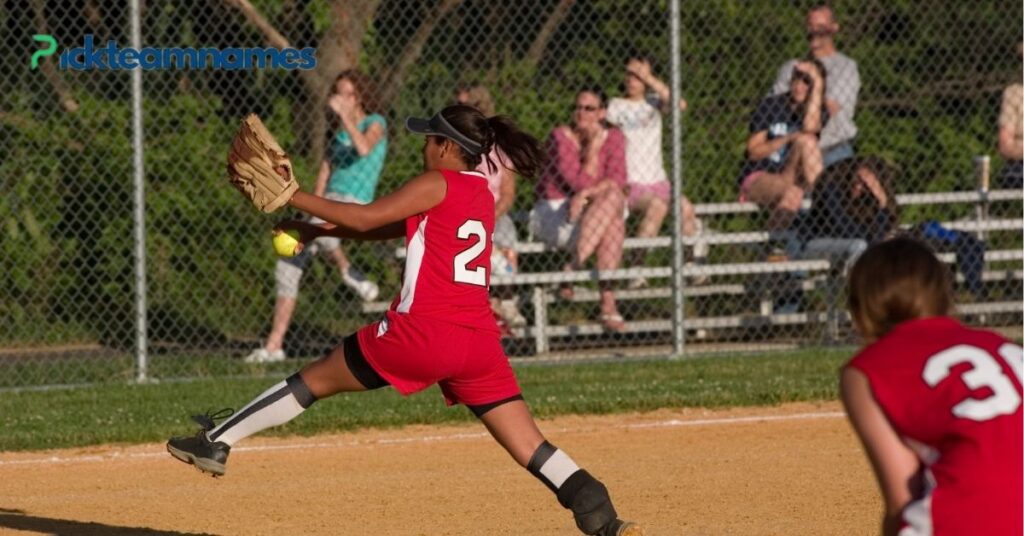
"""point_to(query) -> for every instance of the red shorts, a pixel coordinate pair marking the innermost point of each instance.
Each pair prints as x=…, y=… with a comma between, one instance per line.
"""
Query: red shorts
x=413, y=353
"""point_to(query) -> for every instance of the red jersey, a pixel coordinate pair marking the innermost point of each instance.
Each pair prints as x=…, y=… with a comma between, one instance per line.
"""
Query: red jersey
x=954, y=395
x=448, y=256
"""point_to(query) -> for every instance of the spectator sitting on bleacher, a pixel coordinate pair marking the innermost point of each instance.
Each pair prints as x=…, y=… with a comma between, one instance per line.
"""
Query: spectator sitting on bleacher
x=853, y=206
x=783, y=159
x=843, y=84
x=638, y=114
x=1011, y=136
x=580, y=200
x=501, y=180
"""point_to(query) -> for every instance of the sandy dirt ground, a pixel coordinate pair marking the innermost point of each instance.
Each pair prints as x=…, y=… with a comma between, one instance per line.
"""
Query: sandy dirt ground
x=792, y=469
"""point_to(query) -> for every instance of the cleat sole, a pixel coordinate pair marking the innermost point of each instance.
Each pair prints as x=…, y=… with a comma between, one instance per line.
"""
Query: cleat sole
x=630, y=529
x=204, y=465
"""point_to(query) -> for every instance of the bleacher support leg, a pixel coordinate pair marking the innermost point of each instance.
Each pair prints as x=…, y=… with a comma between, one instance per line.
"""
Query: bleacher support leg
x=540, y=319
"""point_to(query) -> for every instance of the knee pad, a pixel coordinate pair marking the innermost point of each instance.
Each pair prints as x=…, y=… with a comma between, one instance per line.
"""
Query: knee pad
x=300, y=390
x=589, y=501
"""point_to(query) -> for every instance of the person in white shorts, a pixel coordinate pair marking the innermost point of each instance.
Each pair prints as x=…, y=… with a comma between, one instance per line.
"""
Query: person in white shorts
x=349, y=172
x=580, y=199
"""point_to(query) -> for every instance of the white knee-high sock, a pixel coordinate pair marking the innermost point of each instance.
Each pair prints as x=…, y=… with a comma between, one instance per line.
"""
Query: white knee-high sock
x=275, y=406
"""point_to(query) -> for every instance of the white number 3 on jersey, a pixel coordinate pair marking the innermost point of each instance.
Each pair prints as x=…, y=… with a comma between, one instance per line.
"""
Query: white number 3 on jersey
x=986, y=372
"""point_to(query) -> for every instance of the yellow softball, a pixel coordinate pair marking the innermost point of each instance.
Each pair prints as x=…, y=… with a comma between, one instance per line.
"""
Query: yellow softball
x=285, y=243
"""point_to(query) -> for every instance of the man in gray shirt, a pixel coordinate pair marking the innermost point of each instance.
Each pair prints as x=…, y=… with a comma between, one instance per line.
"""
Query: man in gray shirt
x=842, y=86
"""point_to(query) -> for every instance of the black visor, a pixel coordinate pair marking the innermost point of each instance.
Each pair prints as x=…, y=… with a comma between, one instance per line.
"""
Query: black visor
x=438, y=126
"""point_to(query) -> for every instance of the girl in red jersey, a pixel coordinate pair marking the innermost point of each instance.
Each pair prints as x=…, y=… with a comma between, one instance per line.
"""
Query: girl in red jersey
x=440, y=328
x=937, y=405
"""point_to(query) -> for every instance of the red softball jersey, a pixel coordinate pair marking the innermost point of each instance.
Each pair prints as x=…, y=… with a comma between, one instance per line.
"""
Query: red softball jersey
x=448, y=256
x=954, y=394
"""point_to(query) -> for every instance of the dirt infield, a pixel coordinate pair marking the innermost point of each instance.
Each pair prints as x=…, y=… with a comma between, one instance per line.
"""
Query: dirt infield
x=793, y=469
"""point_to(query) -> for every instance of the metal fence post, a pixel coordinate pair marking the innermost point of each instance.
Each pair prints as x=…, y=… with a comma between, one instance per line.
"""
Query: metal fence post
x=678, y=330
x=141, y=341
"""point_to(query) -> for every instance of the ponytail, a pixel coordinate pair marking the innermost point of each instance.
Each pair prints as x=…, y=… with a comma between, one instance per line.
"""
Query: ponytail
x=521, y=148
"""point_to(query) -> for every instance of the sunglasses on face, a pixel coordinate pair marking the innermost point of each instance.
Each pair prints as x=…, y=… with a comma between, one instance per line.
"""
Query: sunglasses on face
x=586, y=108
x=802, y=77
x=818, y=32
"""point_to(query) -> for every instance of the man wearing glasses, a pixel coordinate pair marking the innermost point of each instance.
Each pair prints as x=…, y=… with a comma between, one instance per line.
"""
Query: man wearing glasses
x=843, y=84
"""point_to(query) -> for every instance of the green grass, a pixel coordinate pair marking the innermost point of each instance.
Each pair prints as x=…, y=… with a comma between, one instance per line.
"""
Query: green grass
x=122, y=413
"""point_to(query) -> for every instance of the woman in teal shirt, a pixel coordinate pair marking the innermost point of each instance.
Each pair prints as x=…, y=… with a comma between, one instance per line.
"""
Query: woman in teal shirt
x=349, y=172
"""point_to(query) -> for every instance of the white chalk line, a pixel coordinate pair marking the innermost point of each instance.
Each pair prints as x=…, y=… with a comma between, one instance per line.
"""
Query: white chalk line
x=670, y=423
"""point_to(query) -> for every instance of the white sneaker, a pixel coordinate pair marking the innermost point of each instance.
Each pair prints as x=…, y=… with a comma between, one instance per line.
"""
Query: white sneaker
x=366, y=289
x=697, y=280
x=700, y=247
x=262, y=355
x=509, y=312
x=637, y=283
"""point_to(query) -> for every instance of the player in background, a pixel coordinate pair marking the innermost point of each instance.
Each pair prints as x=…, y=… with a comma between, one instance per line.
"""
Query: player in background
x=936, y=404
x=440, y=329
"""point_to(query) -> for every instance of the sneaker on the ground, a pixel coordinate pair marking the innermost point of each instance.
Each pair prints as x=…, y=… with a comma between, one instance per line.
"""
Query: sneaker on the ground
x=366, y=289
x=262, y=355
x=701, y=279
x=700, y=247
x=637, y=283
x=208, y=456
x=509, y=311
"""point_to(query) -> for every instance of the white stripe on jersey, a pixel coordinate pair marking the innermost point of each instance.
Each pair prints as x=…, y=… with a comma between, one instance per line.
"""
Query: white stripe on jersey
x=413, y=261
x=918, y=514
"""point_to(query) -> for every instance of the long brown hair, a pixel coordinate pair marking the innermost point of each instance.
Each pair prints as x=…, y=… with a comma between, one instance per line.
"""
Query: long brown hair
x=844, y=176
x=522, y=149
x=895, y=281
x=820, y=67
x=365, y=88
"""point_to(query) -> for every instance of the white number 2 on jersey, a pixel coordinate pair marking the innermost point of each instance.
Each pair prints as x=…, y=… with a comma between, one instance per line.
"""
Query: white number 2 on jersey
x=477, y=276
x=986, y=372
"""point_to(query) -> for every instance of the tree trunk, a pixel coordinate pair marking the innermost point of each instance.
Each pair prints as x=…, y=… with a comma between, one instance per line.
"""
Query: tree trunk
x=413, y=49
x=338, y=49
x=540, y=43
x=64, y=95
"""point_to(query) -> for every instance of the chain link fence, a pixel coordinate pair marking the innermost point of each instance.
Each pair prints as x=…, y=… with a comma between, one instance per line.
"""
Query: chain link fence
x=910, y=132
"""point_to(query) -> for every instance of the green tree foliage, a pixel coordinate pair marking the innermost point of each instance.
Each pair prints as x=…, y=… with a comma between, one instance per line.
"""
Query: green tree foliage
x=932, y=76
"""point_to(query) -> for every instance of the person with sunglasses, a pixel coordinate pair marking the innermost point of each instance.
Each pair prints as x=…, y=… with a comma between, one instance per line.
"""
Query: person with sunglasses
x=843, y=84
x=580, y=198
x=783, y=157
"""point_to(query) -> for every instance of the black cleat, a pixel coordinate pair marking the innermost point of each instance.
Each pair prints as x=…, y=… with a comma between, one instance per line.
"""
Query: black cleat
x=208, y=456
x=622, y=528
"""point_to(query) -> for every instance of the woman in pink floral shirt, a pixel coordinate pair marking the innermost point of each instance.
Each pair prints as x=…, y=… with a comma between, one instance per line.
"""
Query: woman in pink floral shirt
x=580, y=199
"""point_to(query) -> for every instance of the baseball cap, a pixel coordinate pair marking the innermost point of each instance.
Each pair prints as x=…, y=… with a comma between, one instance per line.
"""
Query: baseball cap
x=439, y=126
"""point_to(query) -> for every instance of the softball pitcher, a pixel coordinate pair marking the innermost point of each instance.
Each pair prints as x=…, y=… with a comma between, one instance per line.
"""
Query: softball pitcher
x=440, y=328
